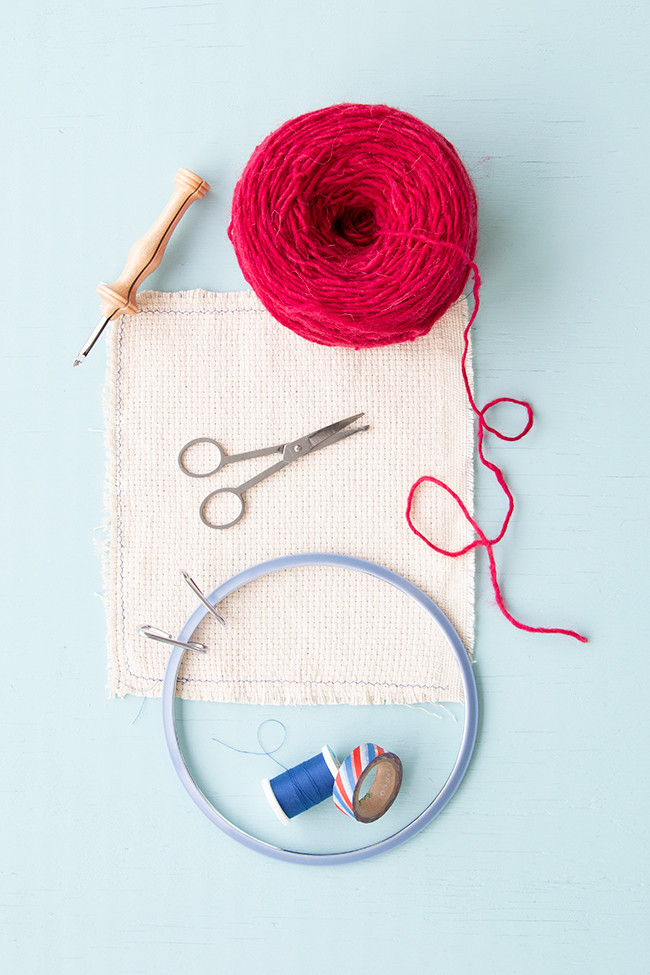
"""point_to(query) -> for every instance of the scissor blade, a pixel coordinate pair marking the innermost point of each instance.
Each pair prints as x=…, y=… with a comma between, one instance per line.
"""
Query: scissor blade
x=340, y=436
x=318, y=437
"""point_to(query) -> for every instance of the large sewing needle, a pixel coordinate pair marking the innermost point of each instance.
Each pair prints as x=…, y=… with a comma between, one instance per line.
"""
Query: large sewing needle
x=145, y=256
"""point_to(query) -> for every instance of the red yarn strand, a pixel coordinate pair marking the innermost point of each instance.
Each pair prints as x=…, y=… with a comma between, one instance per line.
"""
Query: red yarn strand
x=483, y=427
x=486, y=543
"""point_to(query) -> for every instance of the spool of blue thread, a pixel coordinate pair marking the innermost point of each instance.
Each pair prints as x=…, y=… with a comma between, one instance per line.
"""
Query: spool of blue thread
x=302, y=787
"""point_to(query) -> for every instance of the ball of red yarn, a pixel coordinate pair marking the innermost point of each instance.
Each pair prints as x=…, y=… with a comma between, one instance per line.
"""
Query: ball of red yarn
x=340, y=222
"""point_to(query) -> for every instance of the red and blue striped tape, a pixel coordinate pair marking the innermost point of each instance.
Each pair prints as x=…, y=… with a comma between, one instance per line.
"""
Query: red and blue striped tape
x=350, y=773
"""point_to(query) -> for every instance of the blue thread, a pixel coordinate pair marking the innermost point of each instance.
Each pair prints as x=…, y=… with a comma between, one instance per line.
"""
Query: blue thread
x=144, y=700
x=270, y=754
x=304, y=786
x=205, y=311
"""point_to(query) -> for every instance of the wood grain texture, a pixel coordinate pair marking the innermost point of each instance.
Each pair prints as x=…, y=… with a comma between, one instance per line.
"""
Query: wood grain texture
x=119, y=298
x=540, y=862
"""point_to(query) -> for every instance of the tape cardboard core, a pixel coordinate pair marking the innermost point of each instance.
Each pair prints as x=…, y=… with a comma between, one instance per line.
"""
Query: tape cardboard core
x=386, y=770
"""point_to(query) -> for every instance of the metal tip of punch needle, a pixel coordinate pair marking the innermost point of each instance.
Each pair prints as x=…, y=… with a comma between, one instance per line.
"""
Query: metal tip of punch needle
x=99, y=328
x=197, y=592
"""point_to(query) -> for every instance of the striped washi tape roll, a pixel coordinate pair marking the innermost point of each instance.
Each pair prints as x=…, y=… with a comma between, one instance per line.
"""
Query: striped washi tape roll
x=367, y=805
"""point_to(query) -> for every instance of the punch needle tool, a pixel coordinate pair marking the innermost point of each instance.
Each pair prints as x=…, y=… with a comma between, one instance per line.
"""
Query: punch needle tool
x=290, y=452
x=145, y=256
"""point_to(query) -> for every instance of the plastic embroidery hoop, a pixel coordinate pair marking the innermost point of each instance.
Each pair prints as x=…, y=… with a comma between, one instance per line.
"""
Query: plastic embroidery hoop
x=469, y=729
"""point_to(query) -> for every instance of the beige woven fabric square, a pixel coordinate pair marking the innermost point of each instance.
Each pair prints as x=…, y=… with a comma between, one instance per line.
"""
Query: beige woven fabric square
x=197, y=364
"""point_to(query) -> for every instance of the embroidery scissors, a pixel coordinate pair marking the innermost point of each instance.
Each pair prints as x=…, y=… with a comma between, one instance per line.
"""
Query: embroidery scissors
x=290, y=452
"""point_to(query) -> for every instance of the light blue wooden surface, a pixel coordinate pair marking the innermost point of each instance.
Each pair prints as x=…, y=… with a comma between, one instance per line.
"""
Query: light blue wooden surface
x=540, y=864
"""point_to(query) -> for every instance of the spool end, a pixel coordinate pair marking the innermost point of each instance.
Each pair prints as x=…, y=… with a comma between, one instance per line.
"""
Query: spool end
x=273, y=802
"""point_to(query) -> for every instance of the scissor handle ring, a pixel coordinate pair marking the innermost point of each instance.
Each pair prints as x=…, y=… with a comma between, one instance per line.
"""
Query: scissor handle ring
x=222, y=457
x=237, y=494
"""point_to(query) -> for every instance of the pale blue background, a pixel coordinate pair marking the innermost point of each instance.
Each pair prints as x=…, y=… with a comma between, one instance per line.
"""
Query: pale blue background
x=540, y=864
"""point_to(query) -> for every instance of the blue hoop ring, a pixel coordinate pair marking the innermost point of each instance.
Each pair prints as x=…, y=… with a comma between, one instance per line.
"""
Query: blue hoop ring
x=448, y=631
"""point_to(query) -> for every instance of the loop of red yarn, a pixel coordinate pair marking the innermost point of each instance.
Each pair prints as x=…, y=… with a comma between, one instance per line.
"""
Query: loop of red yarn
x=338, y=219
x=484, y=427
x=488, y=544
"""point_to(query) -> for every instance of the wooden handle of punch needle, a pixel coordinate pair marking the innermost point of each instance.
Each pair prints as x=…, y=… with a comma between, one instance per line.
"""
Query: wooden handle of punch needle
x=145, y=256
